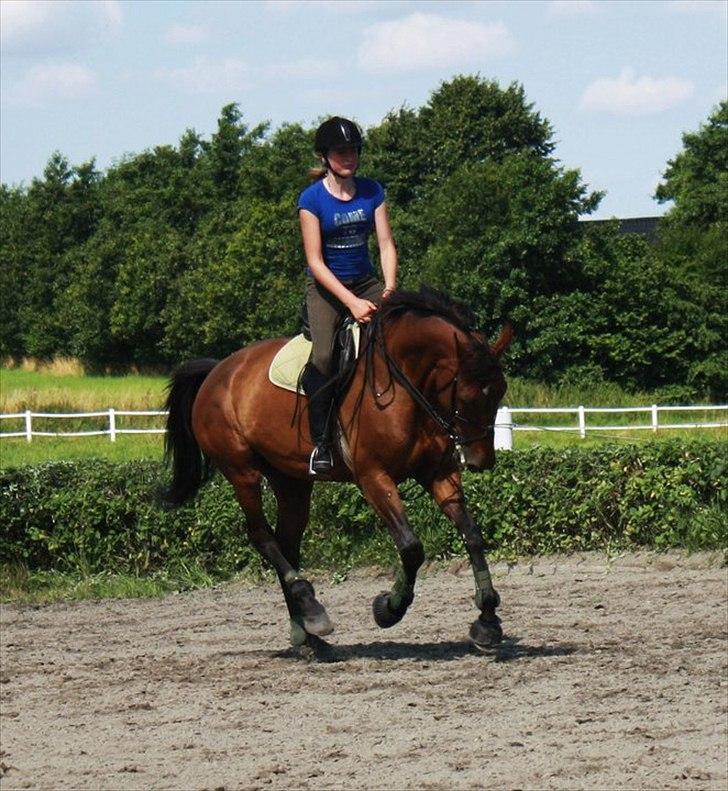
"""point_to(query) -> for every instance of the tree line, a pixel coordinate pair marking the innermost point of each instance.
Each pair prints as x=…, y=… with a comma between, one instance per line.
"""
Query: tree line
x=193, y=249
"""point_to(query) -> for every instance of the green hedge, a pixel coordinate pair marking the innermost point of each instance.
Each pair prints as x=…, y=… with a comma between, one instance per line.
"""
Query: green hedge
x=97, y=515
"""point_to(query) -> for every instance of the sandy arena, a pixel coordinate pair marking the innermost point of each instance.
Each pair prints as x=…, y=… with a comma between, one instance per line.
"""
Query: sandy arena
x=612, y=676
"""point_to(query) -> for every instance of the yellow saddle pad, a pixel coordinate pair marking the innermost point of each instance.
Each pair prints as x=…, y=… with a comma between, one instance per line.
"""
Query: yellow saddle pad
x=285, y=368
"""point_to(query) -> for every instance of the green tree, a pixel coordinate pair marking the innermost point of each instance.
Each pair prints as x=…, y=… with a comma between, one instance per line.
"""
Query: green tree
x=153, y=204
x=228, y=148
x=697, y=178
x=634, y=321
x=84, y=307
x=479, y=205
x=467, y=119
x=60, y=211
x=277, y=167
x=694, y=232
x=14, y=240
x=244, y=286
x=194, y=248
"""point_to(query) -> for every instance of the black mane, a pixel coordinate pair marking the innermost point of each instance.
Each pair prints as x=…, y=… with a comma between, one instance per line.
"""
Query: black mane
x=479, y=364
x=429, y=302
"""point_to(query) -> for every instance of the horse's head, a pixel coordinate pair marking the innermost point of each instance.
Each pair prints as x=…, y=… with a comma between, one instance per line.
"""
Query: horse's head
x=466, y=383
x=480, y=388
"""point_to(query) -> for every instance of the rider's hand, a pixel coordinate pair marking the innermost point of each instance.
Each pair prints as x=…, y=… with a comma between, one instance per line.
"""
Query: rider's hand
x=362, y=309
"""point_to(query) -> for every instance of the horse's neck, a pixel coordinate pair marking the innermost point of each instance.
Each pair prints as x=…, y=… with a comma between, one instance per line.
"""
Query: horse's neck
x=425, y=349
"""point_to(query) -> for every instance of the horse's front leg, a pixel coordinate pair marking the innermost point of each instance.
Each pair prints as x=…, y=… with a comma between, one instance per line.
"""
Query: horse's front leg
x=381, y=492
x=448, y=494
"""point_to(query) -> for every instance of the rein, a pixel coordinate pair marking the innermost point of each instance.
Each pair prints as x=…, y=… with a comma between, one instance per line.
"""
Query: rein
x=448, y=427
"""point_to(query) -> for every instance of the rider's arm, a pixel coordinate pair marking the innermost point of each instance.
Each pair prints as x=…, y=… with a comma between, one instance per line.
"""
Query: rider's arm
x=311, y=233
x=387, y=249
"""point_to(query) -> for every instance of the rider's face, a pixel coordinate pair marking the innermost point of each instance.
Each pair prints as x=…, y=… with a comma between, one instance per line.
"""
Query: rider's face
x=344, y=160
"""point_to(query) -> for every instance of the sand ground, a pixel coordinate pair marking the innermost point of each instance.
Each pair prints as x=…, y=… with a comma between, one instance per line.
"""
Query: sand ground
x=613, y=675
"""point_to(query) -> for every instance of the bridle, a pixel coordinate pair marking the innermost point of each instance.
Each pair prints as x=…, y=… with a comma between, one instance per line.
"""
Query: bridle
x=447, y=426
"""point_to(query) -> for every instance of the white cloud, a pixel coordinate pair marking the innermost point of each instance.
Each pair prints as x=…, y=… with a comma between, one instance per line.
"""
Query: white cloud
x=308, y=68
x=349, y=7
x=632, y=95
x=699, y=6
x=425, y=41
x=111, y=10
x=228, y=76
x=45, y=83
x=572, y=7
x=42, y=27
x=232, y=75
x=182, y=35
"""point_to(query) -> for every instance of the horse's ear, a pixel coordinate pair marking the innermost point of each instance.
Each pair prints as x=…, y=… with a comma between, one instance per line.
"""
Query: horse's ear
x=504, y=340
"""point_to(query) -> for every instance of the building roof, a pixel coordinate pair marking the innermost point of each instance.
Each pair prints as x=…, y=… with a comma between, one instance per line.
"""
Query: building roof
x=644, y=226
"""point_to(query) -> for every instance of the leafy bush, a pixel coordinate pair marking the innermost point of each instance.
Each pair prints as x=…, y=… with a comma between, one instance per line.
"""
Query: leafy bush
x=97, y=515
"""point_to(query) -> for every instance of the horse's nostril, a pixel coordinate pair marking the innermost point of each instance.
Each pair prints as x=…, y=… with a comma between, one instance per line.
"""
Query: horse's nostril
x=473, y=467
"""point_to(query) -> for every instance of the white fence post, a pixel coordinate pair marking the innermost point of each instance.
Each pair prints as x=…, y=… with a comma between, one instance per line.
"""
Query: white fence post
x=112, y=424
x=654, y=417
x=582, y=422
x=503, y=435
x=28, y=426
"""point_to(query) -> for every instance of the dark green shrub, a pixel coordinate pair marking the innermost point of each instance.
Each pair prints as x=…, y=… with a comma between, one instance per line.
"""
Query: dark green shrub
x=96, y=515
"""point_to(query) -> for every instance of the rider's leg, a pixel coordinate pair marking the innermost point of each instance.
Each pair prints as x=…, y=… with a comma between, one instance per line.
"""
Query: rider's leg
x=319, y=390
x=324, y=311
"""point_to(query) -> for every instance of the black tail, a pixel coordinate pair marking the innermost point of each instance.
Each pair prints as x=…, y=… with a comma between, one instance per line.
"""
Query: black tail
x=190, y=467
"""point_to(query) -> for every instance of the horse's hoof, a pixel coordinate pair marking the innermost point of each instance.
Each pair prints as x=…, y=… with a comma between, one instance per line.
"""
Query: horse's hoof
x=319, y=624
x=384, y=615
x=313, y=617
x=484, y=635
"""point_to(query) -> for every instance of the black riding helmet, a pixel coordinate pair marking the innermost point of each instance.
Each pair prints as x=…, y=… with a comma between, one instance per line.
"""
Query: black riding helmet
x=336, y=133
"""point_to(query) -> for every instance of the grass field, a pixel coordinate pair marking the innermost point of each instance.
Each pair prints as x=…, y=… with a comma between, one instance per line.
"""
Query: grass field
x=42, y=391
x=65, y=389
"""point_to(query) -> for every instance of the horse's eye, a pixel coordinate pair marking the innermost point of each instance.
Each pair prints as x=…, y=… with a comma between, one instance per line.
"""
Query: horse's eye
x=486, y=389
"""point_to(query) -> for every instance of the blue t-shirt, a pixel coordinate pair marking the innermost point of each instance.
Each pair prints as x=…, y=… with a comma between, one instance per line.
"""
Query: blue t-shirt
x=345, y=225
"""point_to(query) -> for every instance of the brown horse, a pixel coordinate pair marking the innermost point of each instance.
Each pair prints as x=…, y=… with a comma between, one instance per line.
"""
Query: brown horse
x=421, y=405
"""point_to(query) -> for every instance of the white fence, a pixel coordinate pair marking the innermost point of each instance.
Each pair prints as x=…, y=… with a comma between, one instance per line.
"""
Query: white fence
x=504, y=424
x=110, y=414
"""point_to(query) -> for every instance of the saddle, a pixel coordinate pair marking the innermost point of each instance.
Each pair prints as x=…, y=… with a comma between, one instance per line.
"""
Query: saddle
x=287, y=366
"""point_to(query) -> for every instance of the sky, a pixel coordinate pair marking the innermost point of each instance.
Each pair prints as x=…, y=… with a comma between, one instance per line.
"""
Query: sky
x=619, y=81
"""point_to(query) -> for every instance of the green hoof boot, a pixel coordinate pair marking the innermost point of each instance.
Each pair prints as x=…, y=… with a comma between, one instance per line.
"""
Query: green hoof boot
x=298, y=633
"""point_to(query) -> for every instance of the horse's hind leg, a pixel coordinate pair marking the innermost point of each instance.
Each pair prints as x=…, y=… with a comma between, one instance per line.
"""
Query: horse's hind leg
x=298, y=592
x=293, y=498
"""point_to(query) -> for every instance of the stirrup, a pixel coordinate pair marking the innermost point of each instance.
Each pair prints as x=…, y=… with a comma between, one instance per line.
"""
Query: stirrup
x=321, y=461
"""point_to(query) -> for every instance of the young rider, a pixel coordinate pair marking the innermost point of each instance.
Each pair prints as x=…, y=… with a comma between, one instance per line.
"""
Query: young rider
x=337, y=213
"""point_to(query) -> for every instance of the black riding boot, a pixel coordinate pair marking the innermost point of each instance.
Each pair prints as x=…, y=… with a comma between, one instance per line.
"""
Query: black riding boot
x=320, y=398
